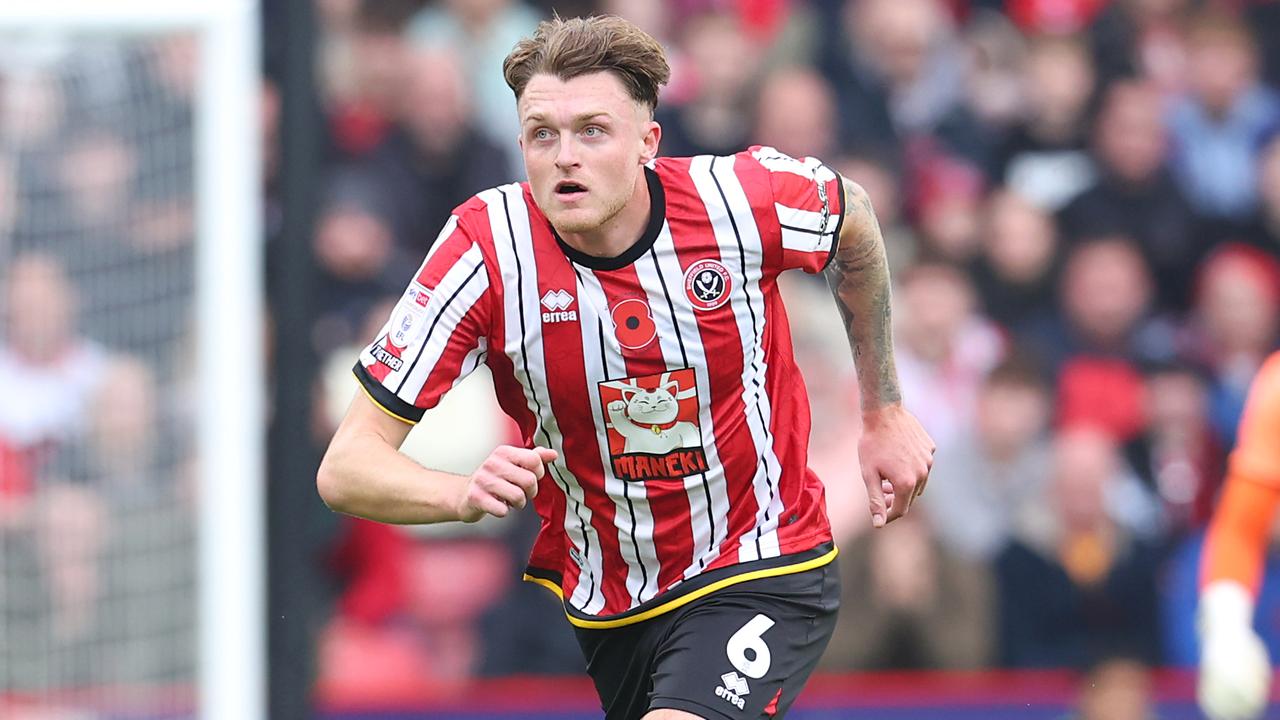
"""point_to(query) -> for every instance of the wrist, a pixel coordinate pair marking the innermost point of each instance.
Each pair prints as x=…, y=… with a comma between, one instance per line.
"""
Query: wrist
x=873, y=412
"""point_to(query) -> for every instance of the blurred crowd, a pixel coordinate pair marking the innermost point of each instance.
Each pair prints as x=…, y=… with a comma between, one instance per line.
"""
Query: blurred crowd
x=97, y=580
x=1081, y=203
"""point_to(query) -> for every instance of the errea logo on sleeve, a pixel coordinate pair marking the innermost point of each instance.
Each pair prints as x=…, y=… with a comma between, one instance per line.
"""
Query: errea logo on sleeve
x=557, y=304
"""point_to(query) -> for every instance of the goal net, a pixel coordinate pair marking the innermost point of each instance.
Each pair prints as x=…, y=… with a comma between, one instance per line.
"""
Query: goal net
x=108, y=362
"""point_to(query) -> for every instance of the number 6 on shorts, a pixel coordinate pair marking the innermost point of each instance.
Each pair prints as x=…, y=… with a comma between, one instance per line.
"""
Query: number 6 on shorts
x=747, y=638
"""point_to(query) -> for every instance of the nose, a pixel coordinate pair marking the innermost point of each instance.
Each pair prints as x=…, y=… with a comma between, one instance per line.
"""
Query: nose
x=566, y=154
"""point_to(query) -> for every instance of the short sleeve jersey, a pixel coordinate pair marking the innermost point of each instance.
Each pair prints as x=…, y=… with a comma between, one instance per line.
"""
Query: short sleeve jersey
x=663, y=377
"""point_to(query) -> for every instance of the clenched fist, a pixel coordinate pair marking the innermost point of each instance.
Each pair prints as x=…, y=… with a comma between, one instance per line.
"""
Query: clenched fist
x=507, y=479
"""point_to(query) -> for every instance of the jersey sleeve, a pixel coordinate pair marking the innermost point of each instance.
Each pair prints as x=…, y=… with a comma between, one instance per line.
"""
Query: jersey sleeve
x=808, y=209
x=436, y=334
x=1257, y=454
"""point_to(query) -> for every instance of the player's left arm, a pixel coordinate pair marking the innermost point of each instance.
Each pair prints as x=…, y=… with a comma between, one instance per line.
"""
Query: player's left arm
x=895, y=451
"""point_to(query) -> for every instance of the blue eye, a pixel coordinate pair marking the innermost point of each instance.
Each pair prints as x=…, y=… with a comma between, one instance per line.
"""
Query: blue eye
x=593, y=131
x=541, y=134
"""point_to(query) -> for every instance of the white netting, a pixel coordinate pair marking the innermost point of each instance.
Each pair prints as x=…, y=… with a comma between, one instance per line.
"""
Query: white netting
x=97, y=522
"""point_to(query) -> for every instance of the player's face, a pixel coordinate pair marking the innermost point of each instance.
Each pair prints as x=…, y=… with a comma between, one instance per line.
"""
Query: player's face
x=584, y=141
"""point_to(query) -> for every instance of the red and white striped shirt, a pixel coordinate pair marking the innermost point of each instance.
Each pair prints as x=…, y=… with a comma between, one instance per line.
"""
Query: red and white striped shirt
x=663, y=377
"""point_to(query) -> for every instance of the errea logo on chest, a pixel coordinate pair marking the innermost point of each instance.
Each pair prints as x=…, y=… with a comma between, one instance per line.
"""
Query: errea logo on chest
x=557, y=307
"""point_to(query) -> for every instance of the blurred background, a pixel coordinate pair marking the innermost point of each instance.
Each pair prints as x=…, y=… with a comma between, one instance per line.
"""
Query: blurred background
x=1081, y=201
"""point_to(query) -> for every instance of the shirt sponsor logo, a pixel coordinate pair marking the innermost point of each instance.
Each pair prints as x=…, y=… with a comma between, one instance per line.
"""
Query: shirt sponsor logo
x=557, y=303
x=385, y=357
x=652, y=426
x=419, y=294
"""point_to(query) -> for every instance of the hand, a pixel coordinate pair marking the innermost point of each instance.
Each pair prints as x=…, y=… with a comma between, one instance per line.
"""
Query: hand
x=507, y=479
x=1235, y=673
x=896, y=455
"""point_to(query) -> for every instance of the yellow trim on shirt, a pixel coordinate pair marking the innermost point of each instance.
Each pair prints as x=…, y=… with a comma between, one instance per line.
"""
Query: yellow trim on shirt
x=379, y=405
x=689, y=597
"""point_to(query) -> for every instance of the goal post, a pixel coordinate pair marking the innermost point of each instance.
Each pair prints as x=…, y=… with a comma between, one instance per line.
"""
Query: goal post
x=227, y=311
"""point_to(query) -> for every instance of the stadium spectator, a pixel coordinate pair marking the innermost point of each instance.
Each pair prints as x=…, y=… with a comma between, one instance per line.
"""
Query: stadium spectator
x=50, y=371
x=721, y=64
x=1016, y=272
x=996, y=53
x=1104, y=307
x=997, y=467
x=1235, y=325
x=1225, y=116
x=1077, y=588
x=356, y=254
x=1177, y=454
x=906, y=61
x=481, y=33
x=1141, y=38
x=96, y=171
x=116, y=533
x=945, y=347
x=432, y=159
x=364, y=63
x=130, y=251
x=948, y=204
x=920, y=604
x=795, y=113
x=1135, y=195
x=1045, y=157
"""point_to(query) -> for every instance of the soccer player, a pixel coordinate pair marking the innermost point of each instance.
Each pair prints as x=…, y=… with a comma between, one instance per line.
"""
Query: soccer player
x=1235, y=674
x=628, y=308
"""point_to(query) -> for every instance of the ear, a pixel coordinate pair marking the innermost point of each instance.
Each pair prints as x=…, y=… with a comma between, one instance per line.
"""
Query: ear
x=672, y=384
x=652, y=136
x=627, y=393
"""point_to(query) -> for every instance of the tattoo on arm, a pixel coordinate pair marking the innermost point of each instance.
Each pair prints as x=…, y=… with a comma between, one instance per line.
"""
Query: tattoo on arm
x=859, y=280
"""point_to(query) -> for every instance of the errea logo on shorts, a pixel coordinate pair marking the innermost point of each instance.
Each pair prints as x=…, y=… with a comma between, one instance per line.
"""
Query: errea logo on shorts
x=732, y=687
x=557, y=304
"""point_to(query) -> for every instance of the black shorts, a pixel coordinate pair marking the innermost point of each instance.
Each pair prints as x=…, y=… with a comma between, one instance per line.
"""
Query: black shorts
x=741, y=652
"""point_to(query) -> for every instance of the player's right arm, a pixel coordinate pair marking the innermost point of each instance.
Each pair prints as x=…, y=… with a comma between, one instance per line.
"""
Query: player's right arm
x=435, y=336
x=365, y=474
x=1235, y=672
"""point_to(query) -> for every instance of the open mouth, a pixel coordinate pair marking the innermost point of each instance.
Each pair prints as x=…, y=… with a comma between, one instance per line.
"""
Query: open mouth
x=569, y=190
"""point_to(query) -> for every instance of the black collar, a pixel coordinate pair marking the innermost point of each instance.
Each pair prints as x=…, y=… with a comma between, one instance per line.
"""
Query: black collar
x=657, y=215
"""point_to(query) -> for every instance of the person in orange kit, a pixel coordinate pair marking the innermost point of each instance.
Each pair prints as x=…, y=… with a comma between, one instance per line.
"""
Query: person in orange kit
x=1235, y=672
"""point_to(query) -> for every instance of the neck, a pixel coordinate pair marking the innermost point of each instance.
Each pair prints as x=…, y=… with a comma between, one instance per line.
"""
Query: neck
x=612, y=237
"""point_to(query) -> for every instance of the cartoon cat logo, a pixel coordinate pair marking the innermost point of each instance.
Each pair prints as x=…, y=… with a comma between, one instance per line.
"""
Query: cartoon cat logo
x=652, y=425
x=647, y=419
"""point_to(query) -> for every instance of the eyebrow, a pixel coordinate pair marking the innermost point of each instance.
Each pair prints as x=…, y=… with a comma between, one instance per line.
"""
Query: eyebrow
x=539, y=117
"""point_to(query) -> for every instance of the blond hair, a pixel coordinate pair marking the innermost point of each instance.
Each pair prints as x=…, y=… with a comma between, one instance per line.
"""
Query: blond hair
x=579, y=46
